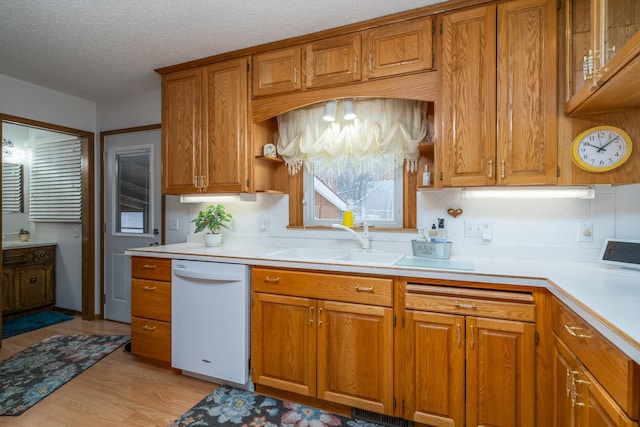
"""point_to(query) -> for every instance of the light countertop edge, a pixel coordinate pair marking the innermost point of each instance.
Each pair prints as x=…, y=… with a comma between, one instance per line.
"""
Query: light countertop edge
x=607, y=298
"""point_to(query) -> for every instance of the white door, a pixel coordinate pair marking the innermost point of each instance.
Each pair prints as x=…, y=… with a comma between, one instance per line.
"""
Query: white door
x=133, y=211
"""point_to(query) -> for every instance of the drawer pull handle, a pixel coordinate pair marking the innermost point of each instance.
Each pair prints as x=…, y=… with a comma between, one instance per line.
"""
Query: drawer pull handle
x=463, y=305
x=364, y=289
x=148, y=328
x=572, y=331
x=149, y=288
x=271, y=279
x=149, y=266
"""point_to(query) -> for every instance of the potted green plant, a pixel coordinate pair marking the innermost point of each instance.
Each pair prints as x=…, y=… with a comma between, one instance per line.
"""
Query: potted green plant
x=212, y=219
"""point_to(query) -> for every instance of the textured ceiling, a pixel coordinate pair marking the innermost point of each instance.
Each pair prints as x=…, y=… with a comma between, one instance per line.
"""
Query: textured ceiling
x=103, y=50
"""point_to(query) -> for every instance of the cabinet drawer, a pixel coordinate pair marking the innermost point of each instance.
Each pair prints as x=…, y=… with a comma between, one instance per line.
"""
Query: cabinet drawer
x=619, y=375
x=16, y=256
x=337, y=287
x=151, y=299
x=151, y=268
x=493, y=304
x=151, y=338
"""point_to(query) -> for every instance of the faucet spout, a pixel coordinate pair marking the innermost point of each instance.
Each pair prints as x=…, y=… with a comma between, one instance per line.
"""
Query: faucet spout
x=364, y=239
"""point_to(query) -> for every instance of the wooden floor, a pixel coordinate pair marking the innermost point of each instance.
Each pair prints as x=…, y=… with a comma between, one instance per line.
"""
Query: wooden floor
x=119, y=390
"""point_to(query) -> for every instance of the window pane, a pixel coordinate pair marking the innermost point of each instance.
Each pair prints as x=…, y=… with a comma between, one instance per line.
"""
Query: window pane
x=133, y=202
x=372, y=196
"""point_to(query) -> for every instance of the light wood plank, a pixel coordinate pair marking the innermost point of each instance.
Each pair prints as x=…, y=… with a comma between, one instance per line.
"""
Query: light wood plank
x=119, y=390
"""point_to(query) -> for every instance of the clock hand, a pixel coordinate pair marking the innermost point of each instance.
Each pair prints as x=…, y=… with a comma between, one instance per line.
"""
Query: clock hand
x=603, y=147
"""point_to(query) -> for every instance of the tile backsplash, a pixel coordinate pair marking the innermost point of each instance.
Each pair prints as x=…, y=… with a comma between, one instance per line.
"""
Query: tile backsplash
x=523, y=228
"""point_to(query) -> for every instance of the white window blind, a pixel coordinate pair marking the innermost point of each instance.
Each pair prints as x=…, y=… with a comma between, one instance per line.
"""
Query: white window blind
x=11, y=188
x=55, y=181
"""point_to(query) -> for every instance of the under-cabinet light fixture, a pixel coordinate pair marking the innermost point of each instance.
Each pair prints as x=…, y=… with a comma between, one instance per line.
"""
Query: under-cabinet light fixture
x=330, y=108
x=570, y=192
x=218, y=198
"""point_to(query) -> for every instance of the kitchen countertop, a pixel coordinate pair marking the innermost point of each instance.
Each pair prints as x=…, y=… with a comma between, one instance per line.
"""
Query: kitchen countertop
x=16, y=244
x=606, y=297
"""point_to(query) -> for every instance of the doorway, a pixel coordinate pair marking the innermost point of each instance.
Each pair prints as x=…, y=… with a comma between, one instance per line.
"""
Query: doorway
x=131, y=210
x=86, y=227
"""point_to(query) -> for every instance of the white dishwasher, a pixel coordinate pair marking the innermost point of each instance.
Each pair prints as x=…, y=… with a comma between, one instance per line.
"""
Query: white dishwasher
x=210, y=321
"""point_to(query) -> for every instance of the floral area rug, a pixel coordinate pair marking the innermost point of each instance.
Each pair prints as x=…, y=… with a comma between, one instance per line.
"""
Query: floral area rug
x=32, y=374
x=231, y=407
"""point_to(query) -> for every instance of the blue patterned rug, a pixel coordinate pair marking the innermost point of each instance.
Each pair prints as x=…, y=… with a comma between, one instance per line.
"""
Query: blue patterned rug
x=31, y=375
x=31, y=322
x=231, y=407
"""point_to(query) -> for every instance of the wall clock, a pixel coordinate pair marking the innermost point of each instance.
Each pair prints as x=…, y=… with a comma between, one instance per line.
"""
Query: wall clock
x=601, y=148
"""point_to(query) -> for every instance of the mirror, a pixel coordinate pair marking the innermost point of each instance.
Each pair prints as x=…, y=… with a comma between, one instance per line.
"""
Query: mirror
x=12, y=188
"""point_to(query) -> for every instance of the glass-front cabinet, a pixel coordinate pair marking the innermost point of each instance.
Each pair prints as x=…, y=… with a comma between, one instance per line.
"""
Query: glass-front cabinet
x=602, y=38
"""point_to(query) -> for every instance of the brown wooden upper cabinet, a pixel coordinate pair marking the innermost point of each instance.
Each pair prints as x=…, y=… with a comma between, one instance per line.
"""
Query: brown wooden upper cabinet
x=388, y=50
x=499, y=95
x=205, y=128
x=399, y=48
x=602, y=55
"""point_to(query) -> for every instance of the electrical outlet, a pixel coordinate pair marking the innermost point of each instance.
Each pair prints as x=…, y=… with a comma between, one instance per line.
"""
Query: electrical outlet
x=584, y=231
x=478, y=229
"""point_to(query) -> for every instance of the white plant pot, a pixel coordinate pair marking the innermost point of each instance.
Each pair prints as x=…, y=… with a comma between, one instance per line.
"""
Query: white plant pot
x=213, y=239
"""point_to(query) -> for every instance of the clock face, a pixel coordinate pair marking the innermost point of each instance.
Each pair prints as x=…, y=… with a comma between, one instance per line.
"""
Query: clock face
x=601, y=149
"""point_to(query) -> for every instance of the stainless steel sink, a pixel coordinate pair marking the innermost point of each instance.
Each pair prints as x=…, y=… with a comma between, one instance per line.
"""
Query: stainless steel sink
x=368, y=257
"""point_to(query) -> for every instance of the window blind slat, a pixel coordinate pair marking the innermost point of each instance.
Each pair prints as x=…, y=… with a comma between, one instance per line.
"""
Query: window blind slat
x=55, y=181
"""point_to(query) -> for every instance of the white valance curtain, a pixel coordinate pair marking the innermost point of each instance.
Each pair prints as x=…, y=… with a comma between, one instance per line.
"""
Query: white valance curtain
x=386, y=133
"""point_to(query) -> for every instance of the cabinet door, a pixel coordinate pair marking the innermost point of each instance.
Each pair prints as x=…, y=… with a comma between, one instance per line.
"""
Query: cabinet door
x=283, y=343
x=527, y=92
x=468, y=97
x=438, y=373
x=500, y=373
x=563, y=367
x=594, y=407
x=277, y=71
x=8, y=296
x=399, y=48
x=224, y=140
x=334, y=61
x=34, y=286
x=355, y=355
x=181, y=115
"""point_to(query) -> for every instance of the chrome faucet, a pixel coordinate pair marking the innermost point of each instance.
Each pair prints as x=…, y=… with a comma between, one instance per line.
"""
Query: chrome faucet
x=364, y=239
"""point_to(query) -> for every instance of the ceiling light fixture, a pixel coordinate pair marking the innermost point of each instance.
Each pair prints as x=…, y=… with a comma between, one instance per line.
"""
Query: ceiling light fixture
x=572, y=192
x=349, y=109
x=330, y=108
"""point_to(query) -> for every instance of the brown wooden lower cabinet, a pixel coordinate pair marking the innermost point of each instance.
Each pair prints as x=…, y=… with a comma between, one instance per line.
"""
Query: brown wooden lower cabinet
x=595, y=384
x=338, y=351
x=28, y=279
x=471, y=357
x=151, y=308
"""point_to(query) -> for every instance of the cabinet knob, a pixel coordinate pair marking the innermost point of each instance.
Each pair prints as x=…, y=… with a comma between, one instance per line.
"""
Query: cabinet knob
x=33, y=280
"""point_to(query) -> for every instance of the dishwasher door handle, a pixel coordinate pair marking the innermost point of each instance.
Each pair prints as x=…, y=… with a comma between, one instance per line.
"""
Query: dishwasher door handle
x=213, y=277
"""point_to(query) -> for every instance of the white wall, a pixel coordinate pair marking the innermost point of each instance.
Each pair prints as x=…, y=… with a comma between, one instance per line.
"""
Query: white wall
x=33, y=102
x=135, y=111
x=540, y=229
